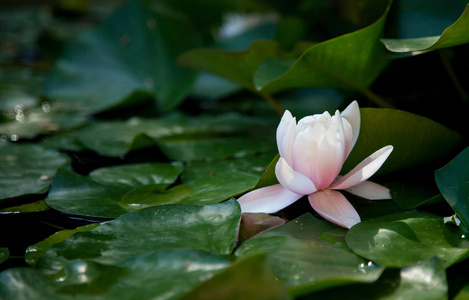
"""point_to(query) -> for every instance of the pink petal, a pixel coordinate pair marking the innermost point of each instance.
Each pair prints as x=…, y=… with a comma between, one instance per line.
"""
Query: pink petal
x=329, y=159
x=370, y=190
x=334, y=207
x=352, y=115
x=363, y=170
x=285, y=146
x=292, y=180
x=267, y=200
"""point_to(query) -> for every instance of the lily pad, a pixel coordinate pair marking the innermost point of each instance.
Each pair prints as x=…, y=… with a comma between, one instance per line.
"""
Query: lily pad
x=408, y=238
x=173, y=131
x=178, y=271
x=27, y=169
x=99, y=195
x=306, y=262
x=416, y=139
x=426, y=280
x=211, y=228
x=128, y=58
x=453, y=182
x=250, y=278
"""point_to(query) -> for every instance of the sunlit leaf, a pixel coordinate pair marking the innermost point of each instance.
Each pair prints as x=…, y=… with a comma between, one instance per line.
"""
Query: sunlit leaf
x=416, y=139
x=126, y=59
x=306, y=262
x=212, y=228
x=408, y=238
x=453, y=182
x=27, y=169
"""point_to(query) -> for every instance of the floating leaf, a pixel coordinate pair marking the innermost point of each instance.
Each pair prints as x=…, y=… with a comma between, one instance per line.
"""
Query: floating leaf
x=162, y=274
x=407, y=238
x=453, y=182
x=211, y=228
x=126, y=59
x=304, y=261
x=175, y=132
x=426, y=280
x=100, y=194
x=250, y=278
x=452, y=36
x=416, y=139
x=27, y=169
x=135, y=175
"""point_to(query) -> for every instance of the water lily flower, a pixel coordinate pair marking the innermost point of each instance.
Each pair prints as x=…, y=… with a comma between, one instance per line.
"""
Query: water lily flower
x=312, y=154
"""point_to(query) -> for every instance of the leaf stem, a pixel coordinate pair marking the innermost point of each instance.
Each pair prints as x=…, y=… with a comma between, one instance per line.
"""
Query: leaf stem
x=278, y=108
x=376, y=99
x=446, y=62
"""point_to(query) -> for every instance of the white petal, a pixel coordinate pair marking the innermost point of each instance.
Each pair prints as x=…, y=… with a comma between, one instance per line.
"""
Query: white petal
x=304, y=152
x=267, y=200
x=334, y=207
x=352, y=115
x=329, y=159
x=370, y=190
x=285, y=146
x=292, y=180
x=363, y=170
x=283, y=126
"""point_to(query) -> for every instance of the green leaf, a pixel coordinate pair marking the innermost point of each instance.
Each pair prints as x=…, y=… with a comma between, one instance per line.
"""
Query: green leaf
x=306, y=262
x=250, y=278
x=35, y=251
x=416, y=139
x=351, y=61
x=452, y=36
x=237, y=66
x=407, y=238
x=162, y=275
x=152, y=195
x=174, y=132
x=135, y=175
x=27, y=169
x=126, y=59
x=100, y=194
x=453, y=181
x=426, y=280
x=74, y=194
x=211, y=228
